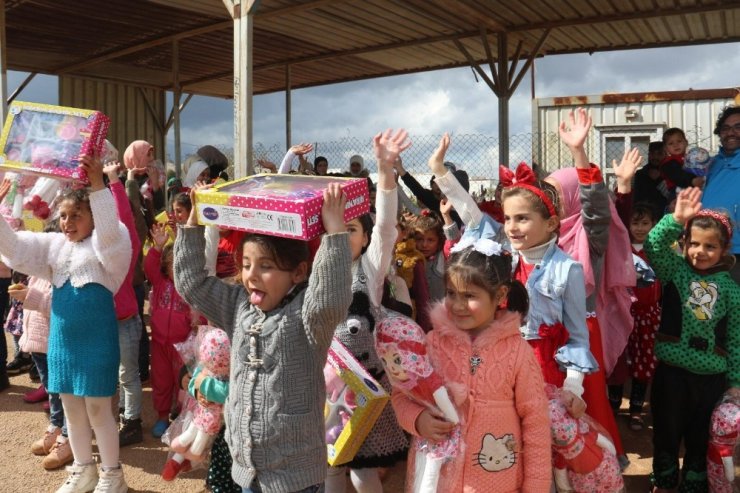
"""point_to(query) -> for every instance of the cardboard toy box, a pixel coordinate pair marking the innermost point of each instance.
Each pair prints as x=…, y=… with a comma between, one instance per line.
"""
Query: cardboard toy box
x=278, y=205
x=47, y=140
x=354, y=401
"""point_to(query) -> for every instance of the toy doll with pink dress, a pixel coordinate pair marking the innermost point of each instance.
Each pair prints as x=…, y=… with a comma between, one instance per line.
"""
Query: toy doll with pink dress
x=401, y=345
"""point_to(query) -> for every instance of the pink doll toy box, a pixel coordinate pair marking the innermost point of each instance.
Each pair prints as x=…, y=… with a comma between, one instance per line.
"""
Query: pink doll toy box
x=278, y=205
x=48, y=140
x=354, y=401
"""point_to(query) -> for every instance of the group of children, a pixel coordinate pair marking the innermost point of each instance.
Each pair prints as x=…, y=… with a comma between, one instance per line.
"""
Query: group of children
x=530, y=293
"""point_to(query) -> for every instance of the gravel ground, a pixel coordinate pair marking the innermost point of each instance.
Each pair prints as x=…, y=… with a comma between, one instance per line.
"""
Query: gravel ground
x=20, y=471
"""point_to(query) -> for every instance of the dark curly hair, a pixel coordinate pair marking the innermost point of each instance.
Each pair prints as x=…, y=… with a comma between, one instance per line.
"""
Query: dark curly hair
x=726, y=113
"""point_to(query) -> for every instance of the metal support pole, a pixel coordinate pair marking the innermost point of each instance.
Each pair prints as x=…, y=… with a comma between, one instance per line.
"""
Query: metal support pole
x=176, y=105
x=288, y=111
x=503, y=99
x=20, y=88
x=3, y=64
x=243, y=14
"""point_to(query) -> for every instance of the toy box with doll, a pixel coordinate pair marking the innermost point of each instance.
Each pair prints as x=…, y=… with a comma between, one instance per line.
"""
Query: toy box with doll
x=278, y=205
x=47, y=140
x=354, y=401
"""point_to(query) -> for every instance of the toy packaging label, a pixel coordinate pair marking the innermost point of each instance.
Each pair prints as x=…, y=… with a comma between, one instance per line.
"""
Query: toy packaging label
x=278, y=205
x=47, y=140
x=354, y=402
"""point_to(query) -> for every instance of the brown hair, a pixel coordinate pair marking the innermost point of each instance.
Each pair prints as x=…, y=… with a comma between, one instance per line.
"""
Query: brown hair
x=532, y=199
x=425, y=223
x=488, y=272
x=183, y=199
x=166, y=259
x=79, y=197
x=708, y=222
x=286, y=253
x=673, y=131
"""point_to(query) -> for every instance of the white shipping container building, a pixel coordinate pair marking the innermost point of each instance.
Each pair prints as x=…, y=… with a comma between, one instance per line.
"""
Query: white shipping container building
x=628, y=120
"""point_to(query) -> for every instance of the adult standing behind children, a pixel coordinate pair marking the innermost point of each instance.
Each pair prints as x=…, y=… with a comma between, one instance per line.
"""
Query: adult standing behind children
x=86, y=264
x=723, y=180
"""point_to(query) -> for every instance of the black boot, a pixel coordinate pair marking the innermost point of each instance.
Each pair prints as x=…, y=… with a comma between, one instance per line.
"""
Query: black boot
x=130, y=432
x=20, y=364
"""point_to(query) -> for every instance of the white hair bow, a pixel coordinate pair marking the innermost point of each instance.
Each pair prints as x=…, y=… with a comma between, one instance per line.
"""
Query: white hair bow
x=485, y=246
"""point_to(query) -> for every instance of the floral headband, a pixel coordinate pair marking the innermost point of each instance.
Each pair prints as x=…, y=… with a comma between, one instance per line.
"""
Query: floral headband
x=721, y=218
x=485, y=246
x=525, y=178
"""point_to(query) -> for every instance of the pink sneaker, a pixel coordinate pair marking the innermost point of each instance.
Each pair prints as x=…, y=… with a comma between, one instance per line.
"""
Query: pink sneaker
x=34, y=396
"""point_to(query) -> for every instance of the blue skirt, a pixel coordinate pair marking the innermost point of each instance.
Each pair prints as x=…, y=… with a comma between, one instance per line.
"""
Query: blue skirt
x=83, y=352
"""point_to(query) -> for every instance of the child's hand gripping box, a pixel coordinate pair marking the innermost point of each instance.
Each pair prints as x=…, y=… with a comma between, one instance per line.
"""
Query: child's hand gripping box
x=48, y=140
x=354, y=401
x=278, y=205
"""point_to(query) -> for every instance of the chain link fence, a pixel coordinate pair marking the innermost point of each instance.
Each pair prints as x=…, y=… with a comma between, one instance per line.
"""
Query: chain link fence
x=475, y=153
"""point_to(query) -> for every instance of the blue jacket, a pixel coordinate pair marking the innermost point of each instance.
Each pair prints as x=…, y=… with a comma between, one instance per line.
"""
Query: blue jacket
x=557, y=293
x=722, y=189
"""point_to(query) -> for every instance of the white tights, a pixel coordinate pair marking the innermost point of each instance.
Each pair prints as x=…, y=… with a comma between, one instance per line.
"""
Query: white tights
x=82, y=413
x=364, y=480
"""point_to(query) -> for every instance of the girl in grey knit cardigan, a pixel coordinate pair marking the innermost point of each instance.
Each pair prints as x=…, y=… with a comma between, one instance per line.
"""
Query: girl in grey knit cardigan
x=280, y=328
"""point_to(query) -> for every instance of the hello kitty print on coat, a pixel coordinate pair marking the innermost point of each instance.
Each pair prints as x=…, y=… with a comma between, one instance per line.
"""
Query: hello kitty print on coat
x=501, y=417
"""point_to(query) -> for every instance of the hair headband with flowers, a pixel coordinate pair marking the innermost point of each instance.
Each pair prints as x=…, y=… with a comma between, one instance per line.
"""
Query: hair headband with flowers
x=485, y=246
x=525, y=178
x=718, y=217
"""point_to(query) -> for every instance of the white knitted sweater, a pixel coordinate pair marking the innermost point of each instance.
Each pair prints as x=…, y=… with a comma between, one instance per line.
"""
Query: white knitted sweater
x=102, y=258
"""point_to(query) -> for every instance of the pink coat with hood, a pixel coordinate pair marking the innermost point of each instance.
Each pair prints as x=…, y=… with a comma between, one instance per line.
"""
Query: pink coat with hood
x=503, y=407
x=36, y=312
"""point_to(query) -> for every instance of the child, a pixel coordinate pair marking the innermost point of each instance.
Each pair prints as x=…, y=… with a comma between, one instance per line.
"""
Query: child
x=477, y=348
x=86, y=264
x=129, y=323
x=281, y=329
x=698, y=344
x=591, y=233
x=22, y=361
x=54, y=445
x=372, y=254
x=171, y=321
x=429, y=238
x=671, y=168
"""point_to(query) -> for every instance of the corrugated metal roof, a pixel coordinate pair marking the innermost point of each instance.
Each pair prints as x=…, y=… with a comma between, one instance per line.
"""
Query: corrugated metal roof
x=328, y=41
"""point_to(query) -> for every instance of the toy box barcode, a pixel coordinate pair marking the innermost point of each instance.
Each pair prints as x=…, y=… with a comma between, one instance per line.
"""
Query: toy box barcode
x=278, y=205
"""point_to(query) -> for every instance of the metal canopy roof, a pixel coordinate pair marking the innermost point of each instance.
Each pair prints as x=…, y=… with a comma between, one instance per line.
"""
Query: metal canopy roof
x=329, y=41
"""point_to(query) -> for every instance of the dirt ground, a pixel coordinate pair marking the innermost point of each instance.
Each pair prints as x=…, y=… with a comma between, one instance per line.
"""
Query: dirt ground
x=20, y=471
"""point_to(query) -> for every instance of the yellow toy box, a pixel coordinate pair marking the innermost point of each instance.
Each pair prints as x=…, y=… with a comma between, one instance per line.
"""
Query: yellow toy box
x=354, y=401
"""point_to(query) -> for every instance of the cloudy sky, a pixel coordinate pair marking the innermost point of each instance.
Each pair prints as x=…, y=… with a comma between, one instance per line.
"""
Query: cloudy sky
x=449, y=100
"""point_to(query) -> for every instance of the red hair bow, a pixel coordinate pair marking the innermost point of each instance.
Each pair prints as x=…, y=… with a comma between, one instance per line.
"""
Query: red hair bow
x=523, y=175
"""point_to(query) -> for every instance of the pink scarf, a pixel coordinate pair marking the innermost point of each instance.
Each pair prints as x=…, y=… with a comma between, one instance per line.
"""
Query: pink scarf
x=137, y=155
x=613, y=299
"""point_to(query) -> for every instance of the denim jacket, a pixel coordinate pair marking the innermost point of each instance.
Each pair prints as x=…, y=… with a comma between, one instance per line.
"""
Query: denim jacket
x=557, y=293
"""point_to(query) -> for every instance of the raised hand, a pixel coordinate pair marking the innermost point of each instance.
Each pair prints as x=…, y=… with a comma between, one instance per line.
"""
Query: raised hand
x=574, y=133
x=193, y=218
x=301, y=149
x=436, y=160
x=159, y=235
x=387, y=146
x=688, y=203
x=92, y=165
x=332, y=210
x=265, y=164
x=111, y=170
x=626, y=169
